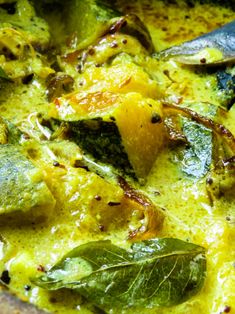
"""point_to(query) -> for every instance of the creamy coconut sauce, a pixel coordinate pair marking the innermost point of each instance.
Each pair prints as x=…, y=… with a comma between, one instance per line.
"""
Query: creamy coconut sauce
x=27, y=248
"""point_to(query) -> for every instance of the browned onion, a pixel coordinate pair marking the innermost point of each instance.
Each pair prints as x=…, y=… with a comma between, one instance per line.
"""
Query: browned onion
x=153, y=215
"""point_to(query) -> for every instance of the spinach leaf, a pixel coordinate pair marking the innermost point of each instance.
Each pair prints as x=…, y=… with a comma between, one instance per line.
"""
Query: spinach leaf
x=3, y=75
x=157, y=272
x=197, y=156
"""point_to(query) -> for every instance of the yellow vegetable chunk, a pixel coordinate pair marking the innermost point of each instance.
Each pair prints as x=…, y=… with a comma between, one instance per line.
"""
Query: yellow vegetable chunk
x=131, y=127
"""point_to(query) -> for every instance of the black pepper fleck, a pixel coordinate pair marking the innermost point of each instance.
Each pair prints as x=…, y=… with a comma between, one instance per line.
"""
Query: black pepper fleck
x=101, y=227
x=156, y=118
x=79, y=68
x=98, y=197
x=41, y=268
x=91, y=51
x=227, y=309
x=114, y=203
x=209, y=181
x=203, y=60
x=157, y=193
x=27, y=287
x=5, y=278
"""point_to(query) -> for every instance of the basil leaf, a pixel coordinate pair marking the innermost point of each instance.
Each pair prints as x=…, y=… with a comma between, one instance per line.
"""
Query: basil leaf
x=3, y=75
x=157, y=272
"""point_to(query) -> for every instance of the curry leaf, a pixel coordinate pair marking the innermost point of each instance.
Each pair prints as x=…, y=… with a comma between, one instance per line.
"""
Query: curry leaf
x=157, y=272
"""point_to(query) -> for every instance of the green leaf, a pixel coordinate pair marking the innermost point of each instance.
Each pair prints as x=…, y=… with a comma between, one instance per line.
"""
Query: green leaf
x=157, y=272
x=3, y=75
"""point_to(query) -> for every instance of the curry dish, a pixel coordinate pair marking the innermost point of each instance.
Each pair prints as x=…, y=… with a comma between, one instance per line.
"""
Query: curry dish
x=117, y=156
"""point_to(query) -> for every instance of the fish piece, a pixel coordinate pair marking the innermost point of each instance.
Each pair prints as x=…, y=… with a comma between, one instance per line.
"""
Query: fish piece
x=215, y=47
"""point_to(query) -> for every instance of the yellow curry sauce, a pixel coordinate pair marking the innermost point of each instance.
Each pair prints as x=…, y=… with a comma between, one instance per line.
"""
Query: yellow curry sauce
x=27, y=248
